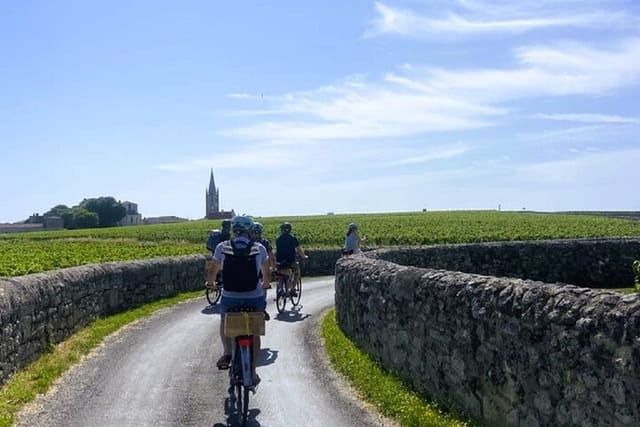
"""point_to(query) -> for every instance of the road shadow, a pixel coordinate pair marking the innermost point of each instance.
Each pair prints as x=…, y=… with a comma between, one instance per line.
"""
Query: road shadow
x=267, y=356
x=211, y=309
x=294, y=315
x=234, y=420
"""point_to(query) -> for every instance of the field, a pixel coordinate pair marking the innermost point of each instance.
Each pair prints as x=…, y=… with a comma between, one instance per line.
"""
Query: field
x=41, y=251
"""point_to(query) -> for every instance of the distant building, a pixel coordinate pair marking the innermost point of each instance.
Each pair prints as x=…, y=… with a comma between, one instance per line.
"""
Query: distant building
x=20, y=228
x=163, y=220
x=132, y=216
x=212, y=202
x=36, y=222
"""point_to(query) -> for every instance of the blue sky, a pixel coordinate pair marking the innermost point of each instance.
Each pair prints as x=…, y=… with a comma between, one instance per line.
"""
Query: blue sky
x=324, y=106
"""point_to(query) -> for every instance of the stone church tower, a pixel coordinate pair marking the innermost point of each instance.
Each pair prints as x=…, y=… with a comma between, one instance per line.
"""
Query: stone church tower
x=212, y=201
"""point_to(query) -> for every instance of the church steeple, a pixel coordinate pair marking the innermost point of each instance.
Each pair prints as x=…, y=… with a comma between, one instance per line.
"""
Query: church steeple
x=212, y=198
x=212, y=182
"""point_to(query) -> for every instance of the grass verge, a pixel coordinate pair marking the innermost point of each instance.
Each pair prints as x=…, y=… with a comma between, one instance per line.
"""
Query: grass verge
x=382, y=389
x=38, y=377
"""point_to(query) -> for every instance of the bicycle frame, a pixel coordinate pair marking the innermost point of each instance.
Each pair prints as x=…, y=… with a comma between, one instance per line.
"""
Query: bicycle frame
x=242, y=327
x=243, y=352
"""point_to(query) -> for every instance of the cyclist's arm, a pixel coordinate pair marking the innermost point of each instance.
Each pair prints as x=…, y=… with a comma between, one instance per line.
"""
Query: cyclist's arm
x=300, y=252
x=266, y=273
x=214, y=268
x=272, y=260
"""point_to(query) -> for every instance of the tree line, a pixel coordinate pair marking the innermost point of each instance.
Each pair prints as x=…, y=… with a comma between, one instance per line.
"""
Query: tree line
x=90, y=213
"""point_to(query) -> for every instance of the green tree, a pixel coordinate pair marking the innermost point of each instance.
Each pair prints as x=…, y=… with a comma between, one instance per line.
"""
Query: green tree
x=108, y=209
x=82, y=218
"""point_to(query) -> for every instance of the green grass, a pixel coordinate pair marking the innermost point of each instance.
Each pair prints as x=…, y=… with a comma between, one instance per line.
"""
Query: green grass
x=382, y=389
x=38, y=377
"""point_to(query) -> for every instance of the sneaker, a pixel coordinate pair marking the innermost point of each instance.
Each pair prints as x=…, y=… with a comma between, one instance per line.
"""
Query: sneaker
x=224, y=361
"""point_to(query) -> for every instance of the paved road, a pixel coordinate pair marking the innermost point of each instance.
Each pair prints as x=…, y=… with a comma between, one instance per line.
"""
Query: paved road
x=160, y=372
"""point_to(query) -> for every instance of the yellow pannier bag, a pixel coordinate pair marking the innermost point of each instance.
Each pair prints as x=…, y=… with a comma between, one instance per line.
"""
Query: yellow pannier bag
x=244, y=323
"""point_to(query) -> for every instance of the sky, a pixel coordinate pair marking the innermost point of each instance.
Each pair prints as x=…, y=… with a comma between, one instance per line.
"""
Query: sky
x=310, y=107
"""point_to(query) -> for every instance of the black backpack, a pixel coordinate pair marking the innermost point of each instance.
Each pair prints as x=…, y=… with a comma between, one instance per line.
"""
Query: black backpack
x=239, y=270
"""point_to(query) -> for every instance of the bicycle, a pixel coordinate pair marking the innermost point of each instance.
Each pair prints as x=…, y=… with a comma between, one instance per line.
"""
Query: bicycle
x=285, y=276
x=241, y=325
x=213, y=292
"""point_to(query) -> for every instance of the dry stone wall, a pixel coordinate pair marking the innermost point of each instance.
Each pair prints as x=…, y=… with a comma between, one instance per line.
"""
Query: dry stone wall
x=42, y=309
x=601, y=263
x=507, y=351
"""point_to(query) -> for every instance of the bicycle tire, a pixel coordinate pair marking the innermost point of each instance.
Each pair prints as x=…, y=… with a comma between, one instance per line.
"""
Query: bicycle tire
x=281, y=296
x=245, y=406
x=213, y=295
x=239, y=402
x=295, y=300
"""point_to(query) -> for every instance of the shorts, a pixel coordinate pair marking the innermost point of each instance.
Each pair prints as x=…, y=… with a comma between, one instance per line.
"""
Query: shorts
x=294, y=266
x=257, y=303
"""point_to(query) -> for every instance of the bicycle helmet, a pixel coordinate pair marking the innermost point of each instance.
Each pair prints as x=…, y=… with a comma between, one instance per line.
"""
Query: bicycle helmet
x=257, y=229
x=226, y=224
x=241, y=224
x=285, y=227
x=353, y=226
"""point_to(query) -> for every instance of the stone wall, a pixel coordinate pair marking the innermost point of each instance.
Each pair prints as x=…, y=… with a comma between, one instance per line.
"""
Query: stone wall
x=41, y=309
x=601, y=263
x=506, y=351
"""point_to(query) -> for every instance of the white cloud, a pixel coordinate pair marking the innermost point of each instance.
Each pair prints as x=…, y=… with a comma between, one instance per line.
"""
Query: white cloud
x=437, y=153
x=258, y=156
x=413, y=100
x=588, y=118
x=610, y=169
x=557, y=70
x=514, y=18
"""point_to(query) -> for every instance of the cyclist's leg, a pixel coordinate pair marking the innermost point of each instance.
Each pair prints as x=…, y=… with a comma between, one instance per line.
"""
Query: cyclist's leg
x=296, y=274
x=259, y=305
x=225, y=359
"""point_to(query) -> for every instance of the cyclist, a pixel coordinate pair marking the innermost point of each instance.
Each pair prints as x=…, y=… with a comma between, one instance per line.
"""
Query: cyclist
x=241, y=262
x=287, y=247
x=352, y=240
x=256, y=236
x=217, y=236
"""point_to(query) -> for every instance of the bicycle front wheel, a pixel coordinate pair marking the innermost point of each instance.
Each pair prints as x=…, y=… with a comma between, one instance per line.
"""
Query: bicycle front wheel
x=297, y=294
x=281, y=295
x=213, y=295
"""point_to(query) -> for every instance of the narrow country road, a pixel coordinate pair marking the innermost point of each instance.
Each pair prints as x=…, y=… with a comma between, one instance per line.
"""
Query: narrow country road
x=161, y=371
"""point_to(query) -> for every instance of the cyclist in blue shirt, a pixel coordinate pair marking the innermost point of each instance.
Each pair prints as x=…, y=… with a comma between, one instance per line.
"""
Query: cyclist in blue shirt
x=287, y=248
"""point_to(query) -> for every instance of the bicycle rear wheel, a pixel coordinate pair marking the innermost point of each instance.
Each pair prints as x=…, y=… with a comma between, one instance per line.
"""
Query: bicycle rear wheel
x=244, y=414
x=297, y=287
x=281, y=295
x=239, y=401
